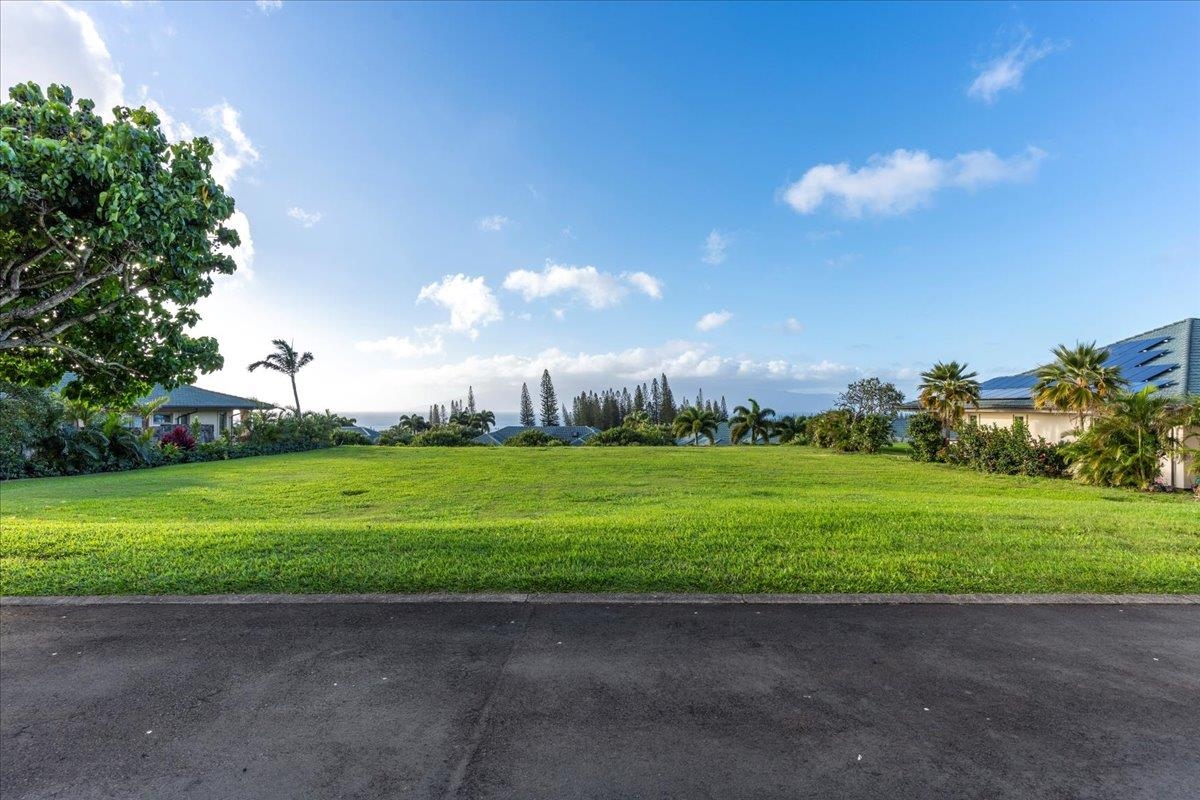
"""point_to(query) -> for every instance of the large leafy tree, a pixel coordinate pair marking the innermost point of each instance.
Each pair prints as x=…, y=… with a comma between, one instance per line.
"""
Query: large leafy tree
x=695, y=422
x=753, y=421
x=287, y=360
x=108, y=238
x=871, y=396
x=946, y=390
x=1077, y=381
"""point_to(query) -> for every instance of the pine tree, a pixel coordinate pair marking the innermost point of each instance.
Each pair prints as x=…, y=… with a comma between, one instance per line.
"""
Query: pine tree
x=471, y=399
x=566, y=416
x=549, y=400
x=724, y=410
x=668, y=412
x=527, y=419
x=639, y=399
x=655, y=402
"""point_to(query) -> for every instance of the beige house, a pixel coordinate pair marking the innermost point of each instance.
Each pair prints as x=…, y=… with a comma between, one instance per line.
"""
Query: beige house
x=1166, y=357
x=215, y=412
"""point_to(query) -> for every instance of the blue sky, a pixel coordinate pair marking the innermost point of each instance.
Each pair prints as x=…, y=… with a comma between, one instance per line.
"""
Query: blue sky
x=773, y=199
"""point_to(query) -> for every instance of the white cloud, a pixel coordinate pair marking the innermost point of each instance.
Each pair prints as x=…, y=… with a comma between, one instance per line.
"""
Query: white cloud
x=305, y=218
x=469, y=300
x=713, y=320
x=715, y=245
x=1008, y=70
x=645, y=283
x=233, y=149
x=844, y=260
x=268, y=6
x=55, y=43
x=588, y=284
x=402, y=346
x=903, y=180
x=243, y=254
x=493, y=223
x=560, y=314
x=793, y=325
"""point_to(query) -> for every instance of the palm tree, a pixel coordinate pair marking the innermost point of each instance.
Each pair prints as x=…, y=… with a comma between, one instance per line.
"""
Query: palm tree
x=1126, y=441
x=287, y=360
x=636, y=419
x=484, y=420
x=789, y=428
x=414, y=422
x=946, y=390
x=1077, y=380
x=751, y=420
x=695, y=422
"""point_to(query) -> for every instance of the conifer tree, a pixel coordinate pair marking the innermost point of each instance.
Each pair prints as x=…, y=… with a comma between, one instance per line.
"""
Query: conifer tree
x=471, y=399
x=566, y=416
x=724, y=410
x=655, y=402
x=527, y=418
x=639, y=399
x=549, y=400
x=668, y=410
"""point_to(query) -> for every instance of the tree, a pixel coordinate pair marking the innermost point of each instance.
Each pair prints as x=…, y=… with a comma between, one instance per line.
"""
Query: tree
x=484, y=420
x=668, y=410
x=549, y=400
x=1126, y=441
x=790, y=429
x=695, y=422
x=751, y=420
x=639, y=400
x=1077, y=380
x=289, y=361
x=108, y=238
x=871, y=396
x=471, y=399
x=527, y=418
x=413, y=422
x=946, y=390
x=655, y=402
x=724, y=414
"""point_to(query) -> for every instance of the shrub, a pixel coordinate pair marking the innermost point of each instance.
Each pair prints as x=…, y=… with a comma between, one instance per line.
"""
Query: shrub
x=1007, y=451
x=1127, y=440
x=216, y=450
x=181, y=437
x=449, y=436
x=925, y=437
x=395, y=435
x=831, y=429
x=870, y=433
x=350, y=437
x=640, y=436
x=27, y=418
x=533, y=438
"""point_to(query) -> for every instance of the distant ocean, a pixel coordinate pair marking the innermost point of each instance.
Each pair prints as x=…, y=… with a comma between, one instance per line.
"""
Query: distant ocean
x=386, y=419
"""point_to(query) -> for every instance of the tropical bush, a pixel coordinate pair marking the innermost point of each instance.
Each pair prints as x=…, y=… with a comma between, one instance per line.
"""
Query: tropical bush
x=181, y=437
x=396, y=435
x=533, y=438
x=447, y=436
x=1127, y=440
x=1008, y=451
x=925, y=437
x=633, y=436
x=831, y=429
x=870, y=433
x=350, y=437
x=839, y=430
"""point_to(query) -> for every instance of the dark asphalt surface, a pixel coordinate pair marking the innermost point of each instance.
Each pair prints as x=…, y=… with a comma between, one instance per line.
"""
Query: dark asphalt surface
x=621, y=701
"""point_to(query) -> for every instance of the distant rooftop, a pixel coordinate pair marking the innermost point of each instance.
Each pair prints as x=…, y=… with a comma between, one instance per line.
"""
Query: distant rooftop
x=571, y=434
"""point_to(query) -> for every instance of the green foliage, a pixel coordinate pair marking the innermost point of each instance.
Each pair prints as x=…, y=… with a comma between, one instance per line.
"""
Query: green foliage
x=446, y=436
x=341, y=437
x=839, y=430
x=946, y=391
x=528, y=419
x=108, y=236
x=286, y=360
x=751, y=421
x=1007, y=451
x=400, y=434
x=925, y=438
x=695, y=422
x=1126, y=440
x=792, y=430
x=533, y=438
x=869, y=433
x=548, y=400
x=871, y=396
x=831, y=429
x=1077, y=380
x=633, y=436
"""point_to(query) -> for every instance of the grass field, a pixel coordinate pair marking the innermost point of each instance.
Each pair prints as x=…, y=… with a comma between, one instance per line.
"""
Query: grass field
x=780, y=519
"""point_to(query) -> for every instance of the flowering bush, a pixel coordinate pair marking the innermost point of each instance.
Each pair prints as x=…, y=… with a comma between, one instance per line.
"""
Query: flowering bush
x=181, y=437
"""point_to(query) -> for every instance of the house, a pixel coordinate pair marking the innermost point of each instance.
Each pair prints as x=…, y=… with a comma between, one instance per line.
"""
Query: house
x=370, y=434
x=722, y=438
x=573, y=435
x=216, y=412
x=1167, y=358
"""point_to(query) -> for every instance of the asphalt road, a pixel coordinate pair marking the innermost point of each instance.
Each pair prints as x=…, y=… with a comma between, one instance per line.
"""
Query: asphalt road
x=620, y=701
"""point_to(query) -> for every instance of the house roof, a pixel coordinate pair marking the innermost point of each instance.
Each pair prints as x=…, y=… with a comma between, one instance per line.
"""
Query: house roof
x=370, y=433
x=186, y=397
x=571, y=434
x=1167, y=358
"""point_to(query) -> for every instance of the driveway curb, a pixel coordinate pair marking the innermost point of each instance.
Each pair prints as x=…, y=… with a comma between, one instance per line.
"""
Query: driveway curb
x=614, y=599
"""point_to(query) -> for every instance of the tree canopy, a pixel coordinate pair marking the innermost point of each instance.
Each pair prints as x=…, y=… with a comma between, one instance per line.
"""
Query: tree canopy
x=109, y=235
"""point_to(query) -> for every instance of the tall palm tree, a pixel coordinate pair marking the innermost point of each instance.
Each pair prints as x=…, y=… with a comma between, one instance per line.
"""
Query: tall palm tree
x=946, y=390
x=287, y=360
x=1077, y=380
x=414, y=422
x=695, y=422
x=484, y=420
x=751, y=420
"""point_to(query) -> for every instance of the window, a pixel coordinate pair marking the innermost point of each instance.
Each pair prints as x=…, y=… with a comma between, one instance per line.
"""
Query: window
x=1018, y=418
x=161, y=419
x=222, y=421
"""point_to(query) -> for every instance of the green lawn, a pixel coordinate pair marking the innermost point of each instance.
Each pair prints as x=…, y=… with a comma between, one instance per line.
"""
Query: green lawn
x=743, y=519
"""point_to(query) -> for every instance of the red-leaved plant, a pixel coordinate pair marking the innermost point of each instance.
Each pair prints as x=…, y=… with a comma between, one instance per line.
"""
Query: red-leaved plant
x=181, y=437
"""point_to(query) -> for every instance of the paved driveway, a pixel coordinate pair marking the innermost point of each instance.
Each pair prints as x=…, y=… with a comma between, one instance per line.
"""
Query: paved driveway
x=593, y=701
